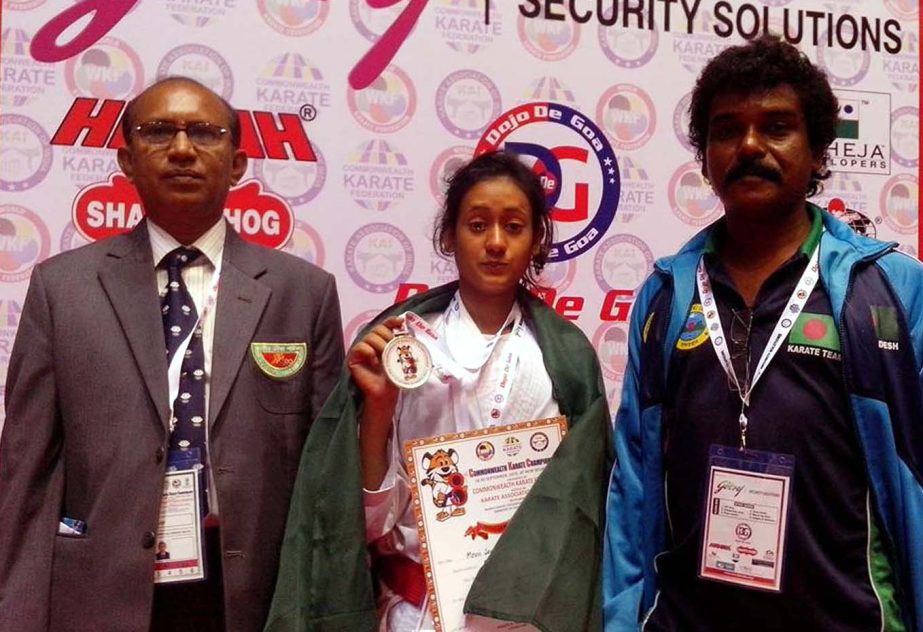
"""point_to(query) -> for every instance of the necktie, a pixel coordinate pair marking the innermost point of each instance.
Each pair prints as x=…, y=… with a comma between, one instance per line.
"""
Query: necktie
x=187, y=425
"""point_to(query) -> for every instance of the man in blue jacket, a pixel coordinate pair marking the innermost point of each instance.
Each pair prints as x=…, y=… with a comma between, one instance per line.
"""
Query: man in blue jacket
x=769, y=451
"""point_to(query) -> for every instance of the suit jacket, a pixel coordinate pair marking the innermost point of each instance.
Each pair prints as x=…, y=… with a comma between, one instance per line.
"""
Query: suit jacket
x=87, y=429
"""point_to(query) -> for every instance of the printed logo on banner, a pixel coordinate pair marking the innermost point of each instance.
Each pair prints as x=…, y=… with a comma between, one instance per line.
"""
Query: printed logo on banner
x=377, y=175
x=775, y=3
x=681, y=121
x=691, y=199
x=306, y=244
x=372, y=22
x=71, y=238
x=848, y=188
x=859, y=222
x=379, y=257
x=86, y=166
x=355, y=325
x=863, y=143
x=549, y=40
x=903, y=68
x=698, y=48
x=611, y=342
x=899, y=203
x=25, y=153
x=444, y=166
x=24, y=79
x=441, y=269
x=904, y=9
x=295, y=18
x=637, y=194
x=109, y=69
x=202, y=64
x=558, y=275
x=622, y=262
x=627, y=48
x=297, y=182
x=10, y=312
x=24, y=242
x=113, y=207
x=385, y=106
x=549, y=89
x=844, y=68
x=289, y=81
x=199, y=13
x=577, y=166
x=22, y=5
x=461, y=24
x=466, y=102
x=627, y=115
x=905, y=137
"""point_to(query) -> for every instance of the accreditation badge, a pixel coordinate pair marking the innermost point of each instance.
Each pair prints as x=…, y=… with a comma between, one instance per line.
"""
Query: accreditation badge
x=407, y=361
x=746, y=517
x=178, y=552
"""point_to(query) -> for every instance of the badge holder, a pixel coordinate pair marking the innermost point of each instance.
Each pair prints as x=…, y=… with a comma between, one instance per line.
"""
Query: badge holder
x=746, y=517
x=407, y=361
x=179, y=550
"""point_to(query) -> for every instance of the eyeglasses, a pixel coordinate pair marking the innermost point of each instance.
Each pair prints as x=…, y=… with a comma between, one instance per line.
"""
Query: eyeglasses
x=161, y=133
x=739, y=338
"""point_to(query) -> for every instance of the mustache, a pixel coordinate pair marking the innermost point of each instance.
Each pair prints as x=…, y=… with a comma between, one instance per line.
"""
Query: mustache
x=753, y=169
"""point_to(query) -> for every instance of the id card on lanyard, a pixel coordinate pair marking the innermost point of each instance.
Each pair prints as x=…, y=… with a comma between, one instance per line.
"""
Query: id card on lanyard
x=747, y=502
x=179, y=552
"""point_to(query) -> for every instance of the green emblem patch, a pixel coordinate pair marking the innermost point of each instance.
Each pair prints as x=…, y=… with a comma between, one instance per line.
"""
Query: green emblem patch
x=279, y=360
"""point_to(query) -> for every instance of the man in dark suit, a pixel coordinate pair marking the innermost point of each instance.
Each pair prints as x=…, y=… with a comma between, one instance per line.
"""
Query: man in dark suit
x=94, y=411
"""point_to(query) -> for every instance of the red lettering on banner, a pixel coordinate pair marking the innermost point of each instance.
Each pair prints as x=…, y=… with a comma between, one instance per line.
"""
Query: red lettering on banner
x=569, y=307
x=106, y=14
x=80, y=117
x=581, y=209
x=406, y=290
x=102, y=123
x=616, y=306
x=383, y=51
x=290, y=133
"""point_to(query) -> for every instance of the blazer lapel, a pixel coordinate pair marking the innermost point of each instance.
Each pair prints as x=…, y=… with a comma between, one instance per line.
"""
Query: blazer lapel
x=130, y=282
x=241, y=301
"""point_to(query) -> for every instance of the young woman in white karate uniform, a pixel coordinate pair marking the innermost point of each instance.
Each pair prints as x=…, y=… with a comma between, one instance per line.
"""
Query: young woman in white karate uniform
x=496, y=225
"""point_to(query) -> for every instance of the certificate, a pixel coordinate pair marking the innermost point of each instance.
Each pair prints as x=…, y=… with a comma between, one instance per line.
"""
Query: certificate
x=466, y=487
x=178, y=553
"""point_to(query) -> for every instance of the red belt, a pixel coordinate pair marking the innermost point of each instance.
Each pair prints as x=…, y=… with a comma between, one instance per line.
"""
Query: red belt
x=403, y=576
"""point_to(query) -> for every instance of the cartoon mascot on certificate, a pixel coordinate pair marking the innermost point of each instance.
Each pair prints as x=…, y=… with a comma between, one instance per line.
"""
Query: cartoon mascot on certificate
x=449, y=490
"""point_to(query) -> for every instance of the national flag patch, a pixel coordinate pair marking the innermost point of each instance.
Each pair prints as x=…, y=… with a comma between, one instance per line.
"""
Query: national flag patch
x=886, y=323
x=279, y=360
x=815, y=330
x=848, y=123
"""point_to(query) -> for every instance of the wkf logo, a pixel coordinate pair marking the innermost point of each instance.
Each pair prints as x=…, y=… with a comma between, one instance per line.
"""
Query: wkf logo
x=575, y=162
x=110, y=208
x=95, y=123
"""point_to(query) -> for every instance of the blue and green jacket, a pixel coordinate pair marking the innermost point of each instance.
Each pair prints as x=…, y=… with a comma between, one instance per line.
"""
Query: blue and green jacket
x=877, y=297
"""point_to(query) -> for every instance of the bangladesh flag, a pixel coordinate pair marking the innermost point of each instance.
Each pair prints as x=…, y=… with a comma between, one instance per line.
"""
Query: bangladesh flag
x=885, y=320
x=815, y=330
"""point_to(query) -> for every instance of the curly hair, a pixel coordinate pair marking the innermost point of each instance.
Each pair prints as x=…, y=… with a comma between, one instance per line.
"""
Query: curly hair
x=763, y=64
x=489, y=166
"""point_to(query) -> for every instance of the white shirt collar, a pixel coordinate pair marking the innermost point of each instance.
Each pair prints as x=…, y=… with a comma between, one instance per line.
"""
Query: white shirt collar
x=210, y=243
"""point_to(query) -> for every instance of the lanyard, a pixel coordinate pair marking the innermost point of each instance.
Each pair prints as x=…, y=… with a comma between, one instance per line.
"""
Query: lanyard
x=779, y=333
x=176, y=363
x=456, y=355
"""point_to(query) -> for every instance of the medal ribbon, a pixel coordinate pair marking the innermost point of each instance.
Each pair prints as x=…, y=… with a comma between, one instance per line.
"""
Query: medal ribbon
x=465, y=374
x=780, y=332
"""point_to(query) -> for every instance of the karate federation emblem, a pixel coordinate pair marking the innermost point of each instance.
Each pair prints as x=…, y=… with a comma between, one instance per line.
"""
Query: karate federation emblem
x=575, y=162
x=279, y=360
x=694, y=331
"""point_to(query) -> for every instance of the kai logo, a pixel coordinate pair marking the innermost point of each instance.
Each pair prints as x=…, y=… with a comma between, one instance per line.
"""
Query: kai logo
x=95, y=123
